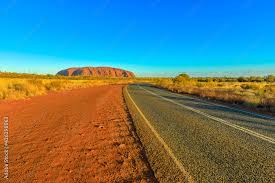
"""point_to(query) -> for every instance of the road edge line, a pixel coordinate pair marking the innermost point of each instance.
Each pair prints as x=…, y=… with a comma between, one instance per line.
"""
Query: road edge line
x=166, y=147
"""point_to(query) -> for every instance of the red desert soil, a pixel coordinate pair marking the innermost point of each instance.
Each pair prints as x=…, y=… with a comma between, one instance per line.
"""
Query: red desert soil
x=82, y=135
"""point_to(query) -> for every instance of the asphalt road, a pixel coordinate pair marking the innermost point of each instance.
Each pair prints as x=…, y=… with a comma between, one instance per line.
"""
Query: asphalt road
x=189, y=137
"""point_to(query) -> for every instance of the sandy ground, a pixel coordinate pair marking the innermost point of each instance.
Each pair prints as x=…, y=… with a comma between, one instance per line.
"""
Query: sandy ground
x=84, y=135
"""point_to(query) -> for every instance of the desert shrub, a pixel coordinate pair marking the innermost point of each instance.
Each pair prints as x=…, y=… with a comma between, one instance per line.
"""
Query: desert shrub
x=205, y=79
x=220, y=84
x=37, y=82
x=250, y=86
x=255, y=79
x=53, y=85
x=270, y=78
x=17, y=86
x=199, y=84
x=3, y=94
x=269, y=88
x=246, y=86
x=242, y=79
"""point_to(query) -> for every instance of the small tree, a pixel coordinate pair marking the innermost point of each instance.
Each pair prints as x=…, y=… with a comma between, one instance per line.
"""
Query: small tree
x=181, y=78
x=242, y=79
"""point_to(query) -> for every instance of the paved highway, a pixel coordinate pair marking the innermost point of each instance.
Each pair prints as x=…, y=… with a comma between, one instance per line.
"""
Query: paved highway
x=189, y=139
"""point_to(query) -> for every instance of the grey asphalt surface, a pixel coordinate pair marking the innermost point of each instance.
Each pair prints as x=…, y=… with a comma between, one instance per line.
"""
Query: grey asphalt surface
x=209, y=150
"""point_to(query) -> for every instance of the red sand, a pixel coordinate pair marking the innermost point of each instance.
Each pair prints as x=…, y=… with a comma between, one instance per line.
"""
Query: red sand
x=74, y=136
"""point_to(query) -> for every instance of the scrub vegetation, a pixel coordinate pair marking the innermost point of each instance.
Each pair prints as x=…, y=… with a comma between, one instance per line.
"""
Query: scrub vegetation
x=255, y=92
x=19, y=86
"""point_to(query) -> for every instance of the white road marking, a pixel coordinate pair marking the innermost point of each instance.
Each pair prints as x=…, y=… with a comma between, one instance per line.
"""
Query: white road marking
x=166, y=147
x=250, y=132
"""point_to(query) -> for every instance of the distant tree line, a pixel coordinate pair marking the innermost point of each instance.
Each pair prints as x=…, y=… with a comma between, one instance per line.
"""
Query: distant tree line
x=269, y=78
x=186, y=77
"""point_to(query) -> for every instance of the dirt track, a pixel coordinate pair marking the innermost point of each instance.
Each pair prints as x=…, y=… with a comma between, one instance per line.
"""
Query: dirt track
x=74, y=136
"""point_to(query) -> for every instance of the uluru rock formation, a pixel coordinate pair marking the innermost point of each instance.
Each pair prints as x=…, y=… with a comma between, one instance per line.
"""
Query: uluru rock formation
x=96, y=72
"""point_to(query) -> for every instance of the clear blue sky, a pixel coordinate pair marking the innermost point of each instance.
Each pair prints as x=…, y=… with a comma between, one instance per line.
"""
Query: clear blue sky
x=149, y=37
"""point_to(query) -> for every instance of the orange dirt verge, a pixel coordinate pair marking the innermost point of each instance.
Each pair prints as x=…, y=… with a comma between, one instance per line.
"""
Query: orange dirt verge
x=82, y=135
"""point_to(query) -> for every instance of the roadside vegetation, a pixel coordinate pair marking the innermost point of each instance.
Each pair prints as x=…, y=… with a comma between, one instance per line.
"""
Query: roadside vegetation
x=253, y=92
x=19, y=86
